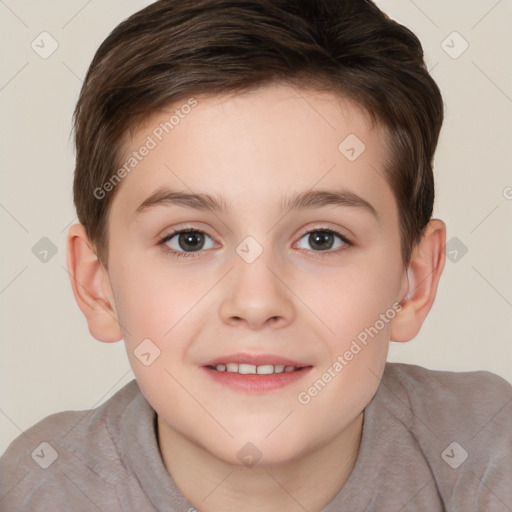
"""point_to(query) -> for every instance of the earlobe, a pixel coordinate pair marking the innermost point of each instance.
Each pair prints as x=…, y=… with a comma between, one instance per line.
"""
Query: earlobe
x=91, y=286
x=423, y=274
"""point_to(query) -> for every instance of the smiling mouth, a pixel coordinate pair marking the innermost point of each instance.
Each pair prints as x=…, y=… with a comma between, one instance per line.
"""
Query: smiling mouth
x=251, y=369
x=252, y=378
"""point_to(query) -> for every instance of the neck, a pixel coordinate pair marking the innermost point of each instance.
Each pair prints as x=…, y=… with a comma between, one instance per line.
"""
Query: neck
x=306, y=483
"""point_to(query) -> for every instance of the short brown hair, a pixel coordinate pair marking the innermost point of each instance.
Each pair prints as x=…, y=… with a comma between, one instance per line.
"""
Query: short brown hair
x=175, y=49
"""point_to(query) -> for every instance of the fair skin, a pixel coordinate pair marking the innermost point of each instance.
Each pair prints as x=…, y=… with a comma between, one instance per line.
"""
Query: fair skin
x=254, y=150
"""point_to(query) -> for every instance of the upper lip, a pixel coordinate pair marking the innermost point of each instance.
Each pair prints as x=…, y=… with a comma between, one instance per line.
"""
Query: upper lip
x=256, y=360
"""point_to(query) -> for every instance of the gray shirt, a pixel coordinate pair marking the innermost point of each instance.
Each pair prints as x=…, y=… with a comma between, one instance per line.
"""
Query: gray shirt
x=432, y=441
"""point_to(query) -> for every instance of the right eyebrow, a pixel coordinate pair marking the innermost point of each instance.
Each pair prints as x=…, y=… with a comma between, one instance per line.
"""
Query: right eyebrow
x=166, y=196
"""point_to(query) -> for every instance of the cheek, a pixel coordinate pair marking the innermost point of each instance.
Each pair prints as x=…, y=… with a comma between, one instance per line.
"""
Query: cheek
x=348, y=300
x=143, y=306
x=161, y=305
x=152, y=311
x=148, y=298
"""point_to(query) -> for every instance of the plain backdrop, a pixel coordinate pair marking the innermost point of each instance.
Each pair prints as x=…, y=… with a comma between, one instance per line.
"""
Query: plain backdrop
x=49, y=362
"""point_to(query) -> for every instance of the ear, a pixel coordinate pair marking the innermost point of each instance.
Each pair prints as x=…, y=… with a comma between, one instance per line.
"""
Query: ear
x=423, y=274
x=91, y=286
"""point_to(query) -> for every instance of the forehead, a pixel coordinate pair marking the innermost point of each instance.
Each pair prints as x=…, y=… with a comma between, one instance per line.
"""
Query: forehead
x=254, y=148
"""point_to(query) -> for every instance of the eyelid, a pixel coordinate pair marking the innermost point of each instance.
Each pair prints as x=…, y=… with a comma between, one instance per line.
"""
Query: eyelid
x=168, y=233
x=337, y=232
x=172, y=234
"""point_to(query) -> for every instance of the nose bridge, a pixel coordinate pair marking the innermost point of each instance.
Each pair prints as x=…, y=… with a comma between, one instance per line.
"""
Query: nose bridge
x=256, y=292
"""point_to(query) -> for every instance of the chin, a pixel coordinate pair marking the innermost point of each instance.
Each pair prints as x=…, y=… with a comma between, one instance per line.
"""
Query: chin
x=253, y=451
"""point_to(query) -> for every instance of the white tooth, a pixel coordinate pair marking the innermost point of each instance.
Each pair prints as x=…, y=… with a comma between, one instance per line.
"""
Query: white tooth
x=246, y=368
x=265, y=369
x=250, y=369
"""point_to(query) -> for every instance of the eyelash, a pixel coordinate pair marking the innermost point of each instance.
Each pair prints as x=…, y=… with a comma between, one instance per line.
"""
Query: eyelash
x=179, y=254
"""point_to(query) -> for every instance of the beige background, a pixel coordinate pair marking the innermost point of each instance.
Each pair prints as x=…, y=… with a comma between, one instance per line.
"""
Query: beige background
x=49, y=362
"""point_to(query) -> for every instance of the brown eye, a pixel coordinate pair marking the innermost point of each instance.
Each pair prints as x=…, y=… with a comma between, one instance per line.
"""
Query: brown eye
x=191, y=240
x=187, y=241
x=323, y=240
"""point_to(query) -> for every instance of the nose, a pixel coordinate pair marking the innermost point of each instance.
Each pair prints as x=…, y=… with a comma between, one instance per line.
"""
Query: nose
x=256, y=295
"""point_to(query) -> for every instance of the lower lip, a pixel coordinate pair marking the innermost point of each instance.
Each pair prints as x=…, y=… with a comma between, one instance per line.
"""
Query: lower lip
x=255, y=382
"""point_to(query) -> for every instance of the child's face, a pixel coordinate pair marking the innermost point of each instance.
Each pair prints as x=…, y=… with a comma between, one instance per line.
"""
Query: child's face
x=294, y=300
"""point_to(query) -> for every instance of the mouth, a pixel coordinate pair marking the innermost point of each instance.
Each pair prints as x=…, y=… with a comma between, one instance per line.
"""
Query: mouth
x=255, y=373
x=251, y=369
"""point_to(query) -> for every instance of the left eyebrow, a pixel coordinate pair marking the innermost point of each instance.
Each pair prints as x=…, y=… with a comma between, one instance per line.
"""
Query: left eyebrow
x=309, y=199
x=319, y=198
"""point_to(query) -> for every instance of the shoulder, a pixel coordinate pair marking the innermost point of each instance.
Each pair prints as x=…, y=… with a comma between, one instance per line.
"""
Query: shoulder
x=416, y=380
x=418, y=384
x=461, y=423
x=447, y=398
x=63, y=452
